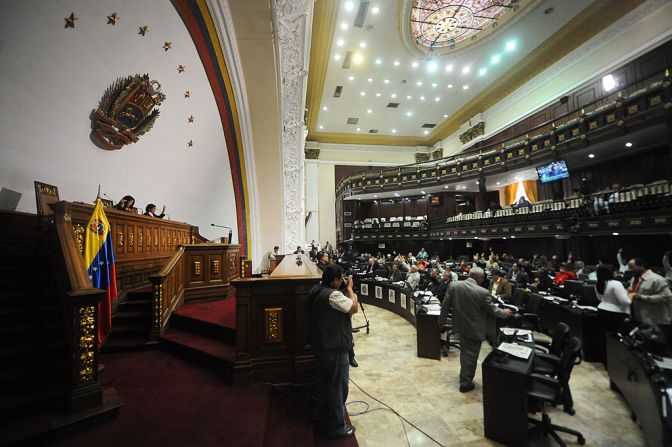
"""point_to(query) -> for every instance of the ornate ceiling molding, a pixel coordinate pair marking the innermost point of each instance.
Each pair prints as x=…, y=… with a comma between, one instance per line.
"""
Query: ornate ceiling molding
x=291, y=26
x=587, y=24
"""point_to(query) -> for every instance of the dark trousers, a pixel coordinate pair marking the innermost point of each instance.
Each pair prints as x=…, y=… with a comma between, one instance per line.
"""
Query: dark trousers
x=470, y=349
x=333, y=375
x=610, y=322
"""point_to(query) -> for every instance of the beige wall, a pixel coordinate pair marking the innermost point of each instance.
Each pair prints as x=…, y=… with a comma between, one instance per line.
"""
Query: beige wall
x=327, y=203
x=254, y=34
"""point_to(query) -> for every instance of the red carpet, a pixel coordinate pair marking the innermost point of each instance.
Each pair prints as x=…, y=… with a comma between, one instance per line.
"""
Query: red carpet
x=220, y=312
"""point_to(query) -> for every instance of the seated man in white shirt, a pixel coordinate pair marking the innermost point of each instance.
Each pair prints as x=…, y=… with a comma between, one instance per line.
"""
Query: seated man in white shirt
x=413, y=278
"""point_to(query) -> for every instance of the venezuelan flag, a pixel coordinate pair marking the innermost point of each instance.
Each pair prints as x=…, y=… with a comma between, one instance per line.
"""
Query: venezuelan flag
x=99, y=259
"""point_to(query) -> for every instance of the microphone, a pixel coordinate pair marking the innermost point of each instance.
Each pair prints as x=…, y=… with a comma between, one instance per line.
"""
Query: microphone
x=225, y=227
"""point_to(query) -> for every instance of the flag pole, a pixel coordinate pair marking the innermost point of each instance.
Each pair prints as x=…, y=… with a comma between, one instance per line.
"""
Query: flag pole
x=98, y=196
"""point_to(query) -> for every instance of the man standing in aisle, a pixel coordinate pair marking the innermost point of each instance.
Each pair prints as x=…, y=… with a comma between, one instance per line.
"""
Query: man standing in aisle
x=472, y=311
x=331, y=331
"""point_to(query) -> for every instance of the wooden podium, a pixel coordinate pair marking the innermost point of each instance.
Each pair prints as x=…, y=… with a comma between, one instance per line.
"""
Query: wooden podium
x=273, y=324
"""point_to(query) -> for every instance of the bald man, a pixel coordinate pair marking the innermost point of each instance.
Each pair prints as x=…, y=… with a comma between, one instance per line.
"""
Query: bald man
x=472, y=311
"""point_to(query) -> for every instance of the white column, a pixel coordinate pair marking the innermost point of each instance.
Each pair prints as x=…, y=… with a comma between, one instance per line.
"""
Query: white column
x=292, y=20
x=312, y=201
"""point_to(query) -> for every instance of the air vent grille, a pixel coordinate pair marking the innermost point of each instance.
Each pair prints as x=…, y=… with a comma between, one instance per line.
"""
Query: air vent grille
x=373, y=131
x=353, y=120
x=338, y=91
x=361, y=14
x=392, y=105
x=428, y=126
x=347, y=59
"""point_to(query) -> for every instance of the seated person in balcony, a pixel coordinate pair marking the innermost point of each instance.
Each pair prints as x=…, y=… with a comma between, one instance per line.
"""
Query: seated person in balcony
x=521, y=203
x=499, y=286
x=413, y=278
x=601, y=204
x=126, y=204
x=433, y=282
x=395, y=275
x=494, y=206
x=517, y=275
x=422, y=264
x=150, y=210
x=299, y=251
x=563, y=275
x=650, y=294
x=422, y=254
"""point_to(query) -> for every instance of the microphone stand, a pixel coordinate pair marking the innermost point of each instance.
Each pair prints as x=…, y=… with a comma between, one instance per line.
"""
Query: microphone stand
x=227, y=228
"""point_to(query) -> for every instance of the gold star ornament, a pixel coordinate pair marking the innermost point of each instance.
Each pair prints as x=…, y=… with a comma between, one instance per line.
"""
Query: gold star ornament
x=191, y=118
x=190, y=143
x=181, y=68
x=187, y=94
x=167, y=46
x=112, y=19
x=143, y=30
x=70, y=21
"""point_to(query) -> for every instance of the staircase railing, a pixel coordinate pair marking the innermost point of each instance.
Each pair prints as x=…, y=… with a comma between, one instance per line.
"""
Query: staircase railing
x=81, y=308
x=167, y=291
x=195, y=271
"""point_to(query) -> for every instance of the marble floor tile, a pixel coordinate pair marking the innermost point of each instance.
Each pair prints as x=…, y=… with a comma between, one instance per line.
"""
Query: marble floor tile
x=425, y=392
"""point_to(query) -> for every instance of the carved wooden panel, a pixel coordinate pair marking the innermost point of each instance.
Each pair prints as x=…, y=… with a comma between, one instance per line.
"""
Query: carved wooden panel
x=273, y=325
x=216, y=267
x=196, y=269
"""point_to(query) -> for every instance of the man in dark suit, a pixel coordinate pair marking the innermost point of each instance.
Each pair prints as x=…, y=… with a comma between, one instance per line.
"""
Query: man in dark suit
x=517, y=276
x=473, y=310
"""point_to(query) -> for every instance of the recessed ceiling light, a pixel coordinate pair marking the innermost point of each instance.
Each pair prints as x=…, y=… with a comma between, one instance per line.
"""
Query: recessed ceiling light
x=495, y=59
x=396, y=63
x=375, y=10
x=414, y=65
x=482, y=71
x=324, y=108
x=423, y=192
x=422, y=98
x=591, y=155
x=358, y=129
x=465, y=87
x=362, y=44
x=357, y=58
x=379, y=61
x=375, y=196
x=370, y=79
x=378, y=95
x=321, y=127
x=434, y=84
x=445, y=115
x=350, y=6
x=351, y=78
x=464, y=187
x=419, y=83
x=337, y=57
x=426, y=132
x=396, y=194
x=437, y=99
x=477, y=182
x=340, y=42
x=393, y=95
x=466, y=69
x=386, y=81
x=394, y=130
x=614, y=234
x=344, y=26
x=369, y=111
x=409, y=97
x=513, y=236
x=498, y=183
x=449, y=67
x=628, y=144
x=432, y=66
x=446, y=187
x=450, y=85
x=510, y=45
x=409, y=113
x=362, y=93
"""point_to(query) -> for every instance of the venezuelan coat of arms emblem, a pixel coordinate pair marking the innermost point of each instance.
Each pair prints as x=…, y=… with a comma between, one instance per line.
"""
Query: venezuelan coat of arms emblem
x=127, y=110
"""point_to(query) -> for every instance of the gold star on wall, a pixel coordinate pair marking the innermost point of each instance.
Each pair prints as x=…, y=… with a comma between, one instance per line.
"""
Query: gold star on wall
x=70, y=21
x=187, y=94
x=112, y=20
x=181, y=68
x=143, y=30
x=190, y=143
x=191, y=118
x=167, y=46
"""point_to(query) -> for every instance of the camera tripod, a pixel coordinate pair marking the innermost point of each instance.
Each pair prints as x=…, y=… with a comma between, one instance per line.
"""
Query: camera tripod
x=367, y=325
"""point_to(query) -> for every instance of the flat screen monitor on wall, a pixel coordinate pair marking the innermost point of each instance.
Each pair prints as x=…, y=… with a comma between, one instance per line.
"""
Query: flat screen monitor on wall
x=553, y=171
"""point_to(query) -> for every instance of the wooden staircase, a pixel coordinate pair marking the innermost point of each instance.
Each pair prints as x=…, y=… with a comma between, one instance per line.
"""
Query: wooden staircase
x=131, y=323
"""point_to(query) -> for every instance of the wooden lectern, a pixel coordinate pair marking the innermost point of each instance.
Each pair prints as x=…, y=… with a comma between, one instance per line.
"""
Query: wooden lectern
x=273, y=324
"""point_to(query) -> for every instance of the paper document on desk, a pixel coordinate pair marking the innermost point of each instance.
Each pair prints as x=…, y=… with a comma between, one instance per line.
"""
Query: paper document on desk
x=513, y=330
x=594, y=309
x=516, y=350
x=665, y=363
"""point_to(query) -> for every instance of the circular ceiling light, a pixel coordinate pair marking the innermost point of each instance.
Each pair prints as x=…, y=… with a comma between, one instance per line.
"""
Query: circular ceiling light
x=465, y=87
x=340, y=42
x=379, y=61
x=628, y=144
x=344, y=26
x=375, y=10
x=396, y=63
x=466, y=69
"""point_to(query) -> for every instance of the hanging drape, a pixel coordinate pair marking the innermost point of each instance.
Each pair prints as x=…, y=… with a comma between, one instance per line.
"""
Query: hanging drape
x=510, y=194
x=531, y=190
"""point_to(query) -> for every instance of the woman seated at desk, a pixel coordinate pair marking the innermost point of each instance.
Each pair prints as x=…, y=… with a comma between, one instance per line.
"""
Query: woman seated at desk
x=126, y=204
x=150, y=210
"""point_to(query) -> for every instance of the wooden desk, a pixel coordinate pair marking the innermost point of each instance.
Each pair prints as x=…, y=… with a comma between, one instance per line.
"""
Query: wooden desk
x=505, y=398
x=428, y=336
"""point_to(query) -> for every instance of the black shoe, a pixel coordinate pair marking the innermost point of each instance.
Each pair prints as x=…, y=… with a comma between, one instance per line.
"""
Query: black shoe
x=355, y=330
x=347, y=431
x=467, y=387
x=354, y=363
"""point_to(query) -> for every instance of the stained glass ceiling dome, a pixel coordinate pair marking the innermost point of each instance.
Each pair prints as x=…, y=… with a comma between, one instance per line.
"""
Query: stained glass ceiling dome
x=446, y=23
